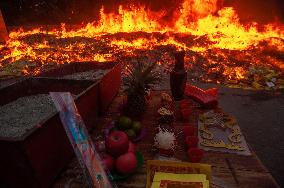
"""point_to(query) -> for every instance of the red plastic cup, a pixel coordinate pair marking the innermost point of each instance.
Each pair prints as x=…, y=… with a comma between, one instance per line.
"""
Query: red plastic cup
x=185, y=113
x=191, y=141
x=195, y=155
x=188, y=130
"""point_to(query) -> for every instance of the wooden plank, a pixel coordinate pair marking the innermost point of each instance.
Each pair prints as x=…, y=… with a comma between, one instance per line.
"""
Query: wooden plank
x=228, y=170
x=222, y=177
x=246, y=163
x=136, y=181
x=237, y=162
x=219, y=161
x=248, y=179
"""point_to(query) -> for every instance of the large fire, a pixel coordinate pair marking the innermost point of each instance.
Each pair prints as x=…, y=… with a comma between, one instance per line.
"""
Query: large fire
x=219, y=48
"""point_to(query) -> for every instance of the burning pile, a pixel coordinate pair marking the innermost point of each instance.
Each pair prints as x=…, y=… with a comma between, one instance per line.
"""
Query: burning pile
x=218, y=48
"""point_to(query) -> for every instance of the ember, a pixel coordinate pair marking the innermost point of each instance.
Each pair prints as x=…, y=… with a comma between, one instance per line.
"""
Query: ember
x=218, y=47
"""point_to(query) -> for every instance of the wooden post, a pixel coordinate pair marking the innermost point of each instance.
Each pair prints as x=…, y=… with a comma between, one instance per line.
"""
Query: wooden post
x=3, y=31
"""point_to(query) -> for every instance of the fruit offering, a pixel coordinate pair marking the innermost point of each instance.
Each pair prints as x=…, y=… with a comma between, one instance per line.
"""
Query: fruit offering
x=136, y=126
x=121, y=156
x=166, y=115
x=108, y=161
x=167, y=101
x=165, y=112
x=130, y=127
x=117, y=143
x=124, y=123
x=126, y=163
x=132, y=147
x=165, y=141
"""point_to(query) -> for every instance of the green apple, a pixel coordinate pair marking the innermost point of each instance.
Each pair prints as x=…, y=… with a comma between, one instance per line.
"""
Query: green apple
x=131, y=134
x=136, y=126
x=124, y=123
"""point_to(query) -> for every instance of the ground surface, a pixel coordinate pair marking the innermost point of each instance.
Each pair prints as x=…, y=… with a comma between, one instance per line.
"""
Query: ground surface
x=261, y=118
x=260, y=115
x=229, y=170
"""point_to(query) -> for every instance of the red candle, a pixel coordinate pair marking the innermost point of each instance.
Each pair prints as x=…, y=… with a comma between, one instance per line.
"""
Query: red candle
x=191, y=141
x=185, y=114
x=185, y=103
x=195, y=154
x=189, y=130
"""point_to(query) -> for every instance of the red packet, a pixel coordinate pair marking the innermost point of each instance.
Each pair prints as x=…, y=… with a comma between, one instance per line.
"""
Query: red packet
x=207, y=99
x=213, y=92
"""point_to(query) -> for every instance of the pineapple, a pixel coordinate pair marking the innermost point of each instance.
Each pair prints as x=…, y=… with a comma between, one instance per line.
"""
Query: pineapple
x=140, y=78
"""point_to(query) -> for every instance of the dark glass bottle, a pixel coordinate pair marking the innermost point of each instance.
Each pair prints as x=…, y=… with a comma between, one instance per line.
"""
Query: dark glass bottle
x=178, y=76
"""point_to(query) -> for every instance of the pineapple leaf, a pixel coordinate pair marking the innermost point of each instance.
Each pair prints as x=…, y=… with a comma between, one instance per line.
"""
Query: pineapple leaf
x=140, y=76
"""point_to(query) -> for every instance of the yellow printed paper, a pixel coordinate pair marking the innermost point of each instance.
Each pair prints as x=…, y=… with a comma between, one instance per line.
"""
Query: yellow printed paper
x=167, y=180
x=184, y=185
x=179, y=177
x=177, y=184
x=155, y=185
x=154, y=166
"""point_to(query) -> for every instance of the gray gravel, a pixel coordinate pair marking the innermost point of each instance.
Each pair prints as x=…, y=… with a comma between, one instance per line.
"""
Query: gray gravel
x=88, y=75
x=21, y=115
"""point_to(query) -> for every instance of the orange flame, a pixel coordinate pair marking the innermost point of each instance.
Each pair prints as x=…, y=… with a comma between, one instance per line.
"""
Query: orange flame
x=100, y=41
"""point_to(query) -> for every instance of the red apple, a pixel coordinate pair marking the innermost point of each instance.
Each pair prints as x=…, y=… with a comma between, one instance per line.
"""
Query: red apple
x=132, y=147
x=108, y=161
x=126, y=163
x=117, y=143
